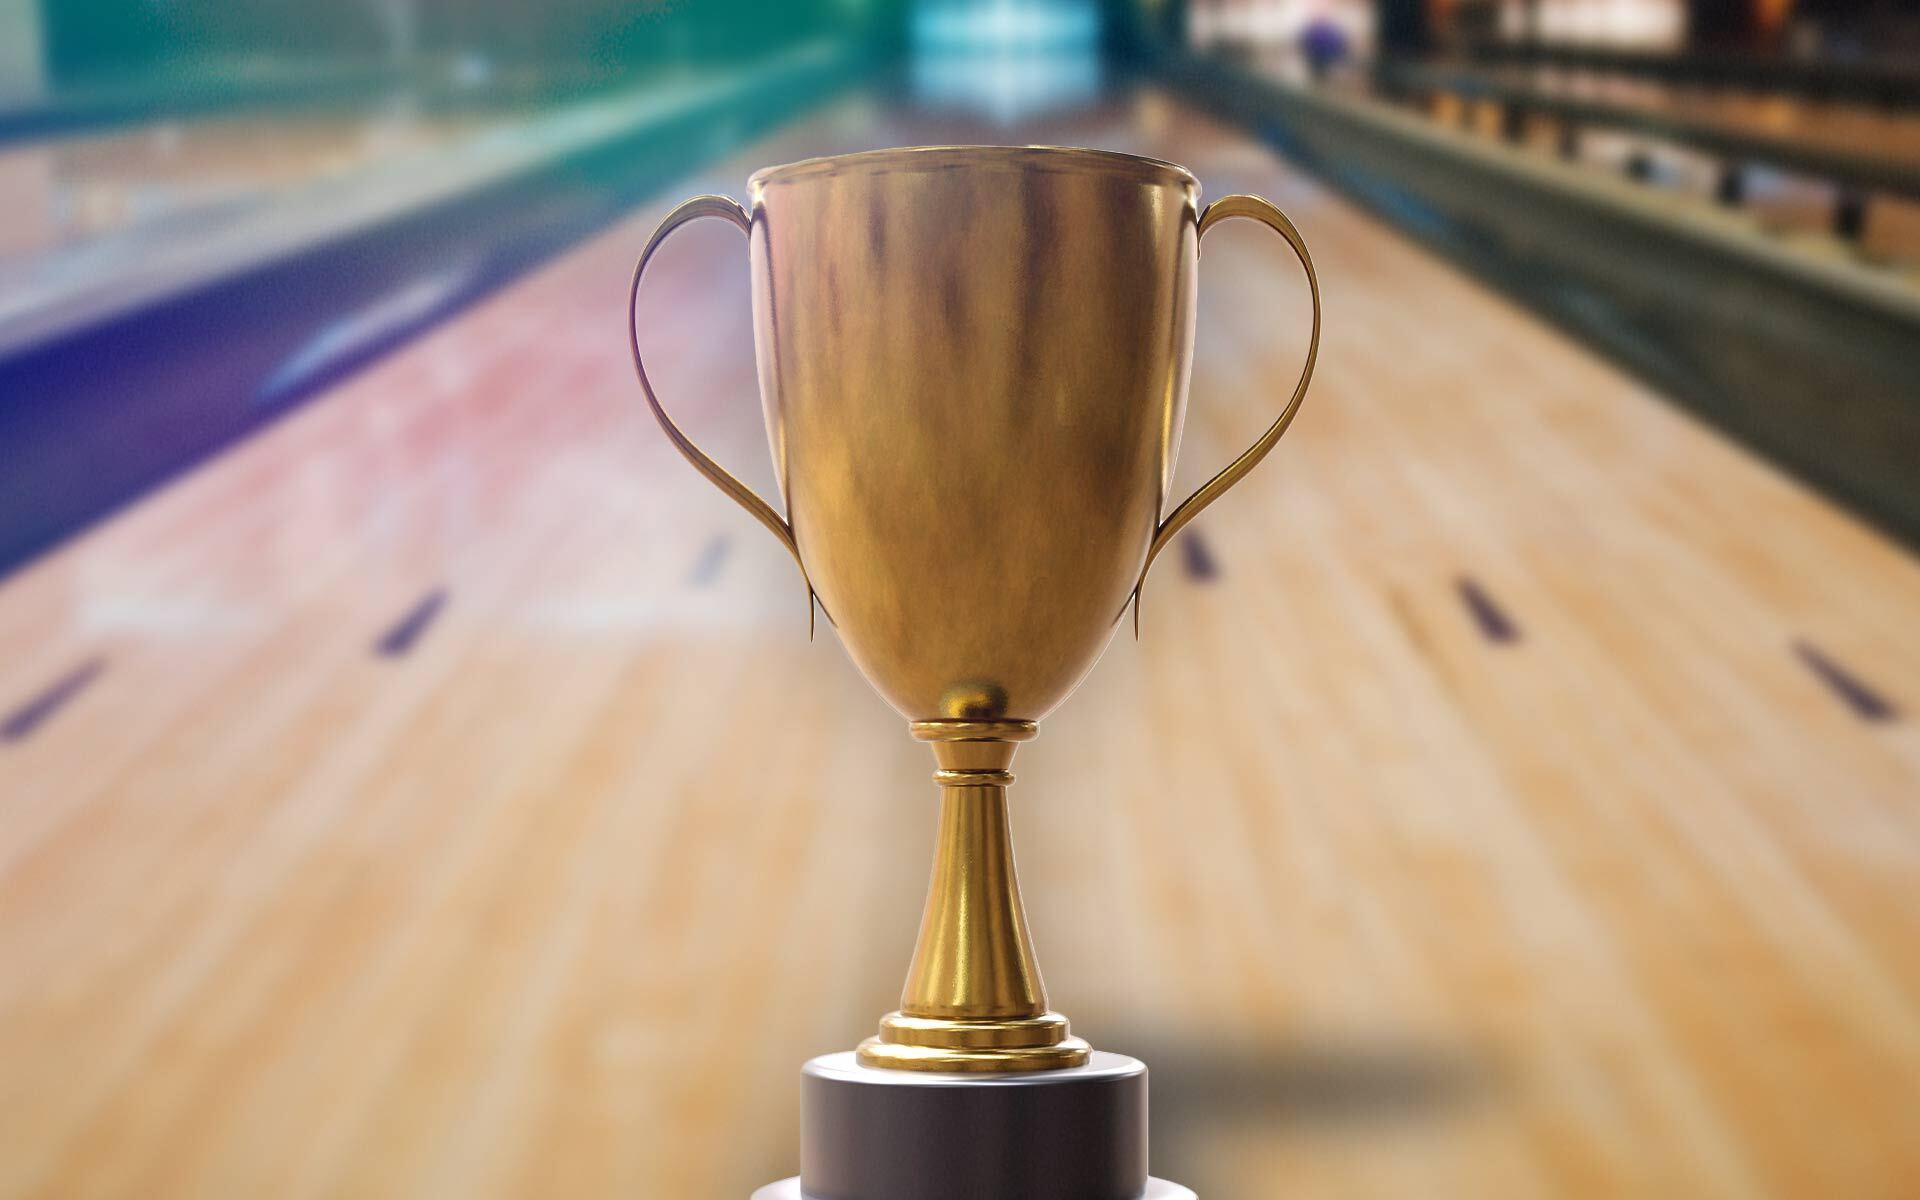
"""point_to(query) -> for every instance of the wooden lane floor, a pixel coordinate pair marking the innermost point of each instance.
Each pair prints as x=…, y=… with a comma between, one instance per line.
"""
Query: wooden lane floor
x=1514, y=790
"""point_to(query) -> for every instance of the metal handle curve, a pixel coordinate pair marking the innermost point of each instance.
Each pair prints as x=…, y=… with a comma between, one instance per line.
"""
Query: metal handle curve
x=1226, y=209
x=728, y=209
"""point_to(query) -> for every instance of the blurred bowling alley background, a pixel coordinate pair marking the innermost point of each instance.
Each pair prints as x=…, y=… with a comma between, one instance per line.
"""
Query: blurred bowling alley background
x=415, y=781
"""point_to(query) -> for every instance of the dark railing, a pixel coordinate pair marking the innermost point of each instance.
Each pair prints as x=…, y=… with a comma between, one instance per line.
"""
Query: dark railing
x=1876, y=81
x=1855, y=174
x=1851, y=168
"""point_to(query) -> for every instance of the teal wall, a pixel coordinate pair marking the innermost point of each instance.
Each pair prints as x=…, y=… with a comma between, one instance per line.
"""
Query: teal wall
x=91, y=39
x=22, y=51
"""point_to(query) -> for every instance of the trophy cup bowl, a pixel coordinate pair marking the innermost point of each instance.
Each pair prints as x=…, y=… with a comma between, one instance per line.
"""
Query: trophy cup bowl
x=973, y=364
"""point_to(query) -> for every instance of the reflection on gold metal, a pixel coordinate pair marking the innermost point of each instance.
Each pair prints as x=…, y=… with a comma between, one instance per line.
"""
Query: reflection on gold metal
x=973, y=1000
x=973, y=363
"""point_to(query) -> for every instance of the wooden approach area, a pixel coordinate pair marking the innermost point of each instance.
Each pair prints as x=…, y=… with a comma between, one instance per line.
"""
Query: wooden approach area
x=1515, y=790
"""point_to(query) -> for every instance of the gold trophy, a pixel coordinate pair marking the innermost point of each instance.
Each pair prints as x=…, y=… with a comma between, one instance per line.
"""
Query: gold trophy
x=973, y=364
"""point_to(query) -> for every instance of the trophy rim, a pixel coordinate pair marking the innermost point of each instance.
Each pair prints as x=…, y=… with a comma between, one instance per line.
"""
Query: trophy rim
x=930, y=157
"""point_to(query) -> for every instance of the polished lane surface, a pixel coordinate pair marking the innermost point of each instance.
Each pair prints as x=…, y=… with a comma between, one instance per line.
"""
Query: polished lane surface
x=1513, y=792
x=67, y=192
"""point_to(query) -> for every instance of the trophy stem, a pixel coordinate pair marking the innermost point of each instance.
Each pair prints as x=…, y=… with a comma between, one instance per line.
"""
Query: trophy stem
x=973, y=999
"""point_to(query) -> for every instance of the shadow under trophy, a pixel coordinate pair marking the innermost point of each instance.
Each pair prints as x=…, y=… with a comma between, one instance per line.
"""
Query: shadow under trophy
x=973, y=364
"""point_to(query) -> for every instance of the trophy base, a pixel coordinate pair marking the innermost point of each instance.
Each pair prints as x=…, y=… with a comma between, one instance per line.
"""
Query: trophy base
x=1079, y=1133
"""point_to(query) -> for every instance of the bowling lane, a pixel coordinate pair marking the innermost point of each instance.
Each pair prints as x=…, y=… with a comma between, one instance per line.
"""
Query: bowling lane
x=1513, y=791
x=68, y=192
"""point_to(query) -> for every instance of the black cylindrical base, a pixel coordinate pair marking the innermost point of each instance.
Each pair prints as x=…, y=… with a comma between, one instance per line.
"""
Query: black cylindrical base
x=1073, y=1134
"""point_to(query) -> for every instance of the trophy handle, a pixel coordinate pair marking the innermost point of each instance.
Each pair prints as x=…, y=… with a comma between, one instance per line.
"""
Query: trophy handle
x=1226, y=209
x=729, y=210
